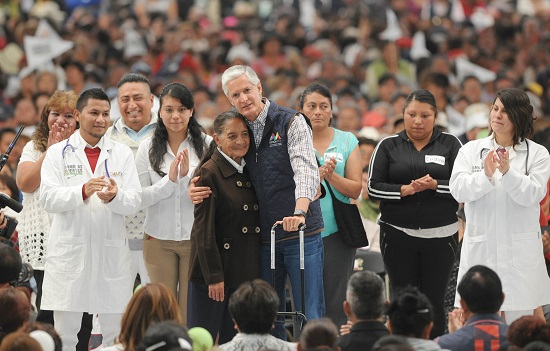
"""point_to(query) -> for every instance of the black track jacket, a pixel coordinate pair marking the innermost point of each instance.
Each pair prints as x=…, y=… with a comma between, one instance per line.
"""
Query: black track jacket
x=396, y=162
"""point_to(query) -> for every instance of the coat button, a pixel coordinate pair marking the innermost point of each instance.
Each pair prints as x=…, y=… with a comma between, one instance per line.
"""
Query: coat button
x=245, y=207
x=257, y=230
x=226, y=246
x=248, y=184
x=239, y=183
x=255, y=207
x=245, y=230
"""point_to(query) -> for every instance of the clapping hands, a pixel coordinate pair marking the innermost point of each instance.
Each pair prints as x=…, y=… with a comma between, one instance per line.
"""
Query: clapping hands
x=180, y=166
x=58, y=132
x=417, y=185
x=326, y=170
x=499, y=159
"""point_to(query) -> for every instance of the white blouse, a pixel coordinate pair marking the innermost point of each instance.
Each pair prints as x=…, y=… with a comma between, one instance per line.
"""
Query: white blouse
x=169, y=212
x=34, y=221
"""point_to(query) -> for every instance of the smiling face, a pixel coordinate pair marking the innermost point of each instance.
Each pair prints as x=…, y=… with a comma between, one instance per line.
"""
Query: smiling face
x=94, y=120
x=317, y=109
x=61, y=117
x=135, y=102
x=234, y=140
x=500, y=121
x=174, y=115
x=246, y=97
x=419, y=118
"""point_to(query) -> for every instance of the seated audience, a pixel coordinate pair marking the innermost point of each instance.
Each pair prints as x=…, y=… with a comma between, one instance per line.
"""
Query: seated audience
x=478, y=321
x=150, y=304
x=392, y=343
x=44, y=339
x=411, y=315
x=20, y=341
x=10, y=265
x=202, y=339
x=319, y=334
x=253, y=307
x=527, y=329
x=165, y=336
x=364, y=306
x=537, y=346
x=15, y=308
x=48, y=328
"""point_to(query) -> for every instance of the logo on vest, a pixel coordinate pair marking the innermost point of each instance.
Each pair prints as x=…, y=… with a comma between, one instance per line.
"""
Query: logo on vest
x=275, y=140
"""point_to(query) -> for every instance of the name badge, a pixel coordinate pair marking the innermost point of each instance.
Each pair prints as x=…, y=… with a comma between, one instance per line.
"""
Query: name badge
x=440, y=160
x=72, y=171
x=335, y=155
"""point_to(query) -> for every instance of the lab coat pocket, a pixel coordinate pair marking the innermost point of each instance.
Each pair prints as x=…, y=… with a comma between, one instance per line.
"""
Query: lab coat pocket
x=114, y=259
x=525, y=248
x=475, y=247
x=68, y=255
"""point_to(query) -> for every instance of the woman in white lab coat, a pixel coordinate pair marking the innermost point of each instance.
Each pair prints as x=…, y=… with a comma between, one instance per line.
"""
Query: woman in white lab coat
x=501, y=179
x=164, y=163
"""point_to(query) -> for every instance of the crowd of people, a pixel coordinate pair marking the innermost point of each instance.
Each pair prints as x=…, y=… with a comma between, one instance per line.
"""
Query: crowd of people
x=180, y=150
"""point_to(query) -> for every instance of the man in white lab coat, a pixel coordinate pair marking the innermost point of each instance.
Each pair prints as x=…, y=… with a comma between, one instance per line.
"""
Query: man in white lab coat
x=89, y=183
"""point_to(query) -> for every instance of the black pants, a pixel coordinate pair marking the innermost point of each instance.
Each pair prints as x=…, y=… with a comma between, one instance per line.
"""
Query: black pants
x=213, y=316
x=424, y=263
x=45, y=316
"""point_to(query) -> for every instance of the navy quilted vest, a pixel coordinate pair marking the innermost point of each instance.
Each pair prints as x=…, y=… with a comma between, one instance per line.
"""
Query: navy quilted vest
x=273, y=177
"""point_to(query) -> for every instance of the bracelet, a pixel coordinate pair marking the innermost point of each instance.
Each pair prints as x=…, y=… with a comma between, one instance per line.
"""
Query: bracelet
x=300, y=213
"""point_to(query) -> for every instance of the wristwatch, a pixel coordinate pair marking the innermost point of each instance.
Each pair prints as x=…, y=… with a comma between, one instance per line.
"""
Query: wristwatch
x=300, y=213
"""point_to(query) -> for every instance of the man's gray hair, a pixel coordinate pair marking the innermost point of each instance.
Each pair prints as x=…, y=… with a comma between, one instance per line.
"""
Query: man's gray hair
x=366, y=295
x=235, y=72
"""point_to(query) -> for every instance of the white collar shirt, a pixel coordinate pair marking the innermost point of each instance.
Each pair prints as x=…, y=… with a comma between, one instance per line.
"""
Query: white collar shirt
x=169, y=211
x=238, y=167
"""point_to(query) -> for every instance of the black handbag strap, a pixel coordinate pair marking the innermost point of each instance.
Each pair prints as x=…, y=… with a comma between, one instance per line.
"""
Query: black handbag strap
x=331, y=192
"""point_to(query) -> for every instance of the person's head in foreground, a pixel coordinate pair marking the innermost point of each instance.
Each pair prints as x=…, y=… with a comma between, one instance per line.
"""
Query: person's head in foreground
x=392, y=343
x=150, y=304
x=253, y=307
x=528, y=329
x=165, y=336
x=480, y=291
x=365, y=296
x=410, y=314
x=319, y=334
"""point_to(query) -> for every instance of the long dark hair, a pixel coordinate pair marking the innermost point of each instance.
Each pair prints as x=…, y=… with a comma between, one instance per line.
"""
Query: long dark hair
x=160, y=136
x=520, y=112
x=219, y=126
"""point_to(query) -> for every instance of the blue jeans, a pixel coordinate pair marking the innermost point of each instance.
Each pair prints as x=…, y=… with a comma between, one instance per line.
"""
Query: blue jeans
x=287, y=262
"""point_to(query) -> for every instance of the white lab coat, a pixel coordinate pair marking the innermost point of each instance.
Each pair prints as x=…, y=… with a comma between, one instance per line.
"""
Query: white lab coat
x=88, y=258
x=502, y=220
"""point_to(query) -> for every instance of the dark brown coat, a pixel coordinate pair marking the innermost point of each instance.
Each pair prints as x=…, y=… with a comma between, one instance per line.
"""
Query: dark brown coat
x=226, y=231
